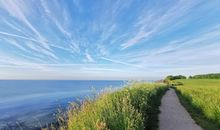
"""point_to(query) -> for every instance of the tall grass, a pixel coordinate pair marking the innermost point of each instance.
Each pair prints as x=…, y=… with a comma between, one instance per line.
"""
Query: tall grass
x=132, y=108
x=201, y=97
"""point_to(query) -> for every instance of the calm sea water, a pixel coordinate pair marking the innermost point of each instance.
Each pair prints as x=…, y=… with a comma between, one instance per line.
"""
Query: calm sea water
x=30, y=104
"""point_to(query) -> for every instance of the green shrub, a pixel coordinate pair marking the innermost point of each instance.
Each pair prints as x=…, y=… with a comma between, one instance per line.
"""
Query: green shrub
x=171, y=77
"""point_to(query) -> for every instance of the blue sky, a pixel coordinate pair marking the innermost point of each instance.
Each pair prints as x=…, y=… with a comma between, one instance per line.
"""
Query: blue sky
x=108, y=39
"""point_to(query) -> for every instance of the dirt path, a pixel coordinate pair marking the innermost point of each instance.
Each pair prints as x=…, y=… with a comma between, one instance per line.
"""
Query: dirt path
x=173, y=115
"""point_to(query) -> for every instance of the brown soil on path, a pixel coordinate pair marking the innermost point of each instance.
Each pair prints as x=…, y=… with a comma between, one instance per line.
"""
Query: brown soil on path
x=173, y=115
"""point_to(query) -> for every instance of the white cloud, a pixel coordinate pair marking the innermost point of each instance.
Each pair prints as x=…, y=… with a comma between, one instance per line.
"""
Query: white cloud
x=13, y=26
x=54, y=19
x=15, y=44
x=150, y=23
x=202, y=49
x=33, y=46
x=102, y=50
x=89, y=57
x=19, y=10
x=74, y=47
x=64, y=43
x=121, y=62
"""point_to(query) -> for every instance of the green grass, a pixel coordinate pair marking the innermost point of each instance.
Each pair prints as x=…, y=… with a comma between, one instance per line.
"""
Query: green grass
x=201, y=97
x=132, y=108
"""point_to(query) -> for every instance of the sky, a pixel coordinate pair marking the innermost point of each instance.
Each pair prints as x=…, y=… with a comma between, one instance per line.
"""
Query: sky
x=108, y=39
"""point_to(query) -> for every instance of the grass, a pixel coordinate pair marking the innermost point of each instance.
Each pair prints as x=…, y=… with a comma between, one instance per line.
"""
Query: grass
x=134, y=107
x=201, y=97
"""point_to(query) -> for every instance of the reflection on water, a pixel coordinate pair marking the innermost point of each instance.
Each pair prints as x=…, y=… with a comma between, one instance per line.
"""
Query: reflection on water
x=29, y=104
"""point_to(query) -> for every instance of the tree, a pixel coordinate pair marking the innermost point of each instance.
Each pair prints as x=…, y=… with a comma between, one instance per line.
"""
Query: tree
x=171, y=77
x=207, y=76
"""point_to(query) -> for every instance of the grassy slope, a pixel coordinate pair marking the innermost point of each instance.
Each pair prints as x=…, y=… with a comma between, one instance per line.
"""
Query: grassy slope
x=201, y=97
x=132, y=108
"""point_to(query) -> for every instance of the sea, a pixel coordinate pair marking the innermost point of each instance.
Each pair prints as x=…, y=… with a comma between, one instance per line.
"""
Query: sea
x=33, y=104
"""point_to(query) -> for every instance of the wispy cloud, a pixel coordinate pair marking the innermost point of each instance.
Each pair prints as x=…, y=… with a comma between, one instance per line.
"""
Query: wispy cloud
x=19, y=10
x=89, y=57
x=123, y=38
x=34, y=44
x=121, y=62
x=190, y=50
x=35, y=47
x=51, y=17
x=16, y=44
x=150, y=23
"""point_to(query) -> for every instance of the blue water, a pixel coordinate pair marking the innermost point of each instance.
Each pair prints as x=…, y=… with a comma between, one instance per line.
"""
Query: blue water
x=31, y=104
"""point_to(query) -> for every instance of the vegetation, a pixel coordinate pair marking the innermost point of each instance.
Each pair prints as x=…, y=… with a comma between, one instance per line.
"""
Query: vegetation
x=132, y=108
x=172, y=80
x=171, y=77
x=206, y=76
x=201, y=97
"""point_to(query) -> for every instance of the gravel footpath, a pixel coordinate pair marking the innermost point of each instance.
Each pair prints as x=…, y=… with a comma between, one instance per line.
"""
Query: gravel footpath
x=173, y=115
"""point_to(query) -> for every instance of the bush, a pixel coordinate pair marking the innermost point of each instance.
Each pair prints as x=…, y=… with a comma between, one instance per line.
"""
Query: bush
x=176, y=83
x=171, y=77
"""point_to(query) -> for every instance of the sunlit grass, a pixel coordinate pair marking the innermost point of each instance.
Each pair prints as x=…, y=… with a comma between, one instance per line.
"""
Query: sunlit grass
x=202, y=99
x=132, y=108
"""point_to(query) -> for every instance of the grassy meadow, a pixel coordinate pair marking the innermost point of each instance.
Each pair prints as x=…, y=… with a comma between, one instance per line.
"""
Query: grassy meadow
x=134, y=107
x=201, y=97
